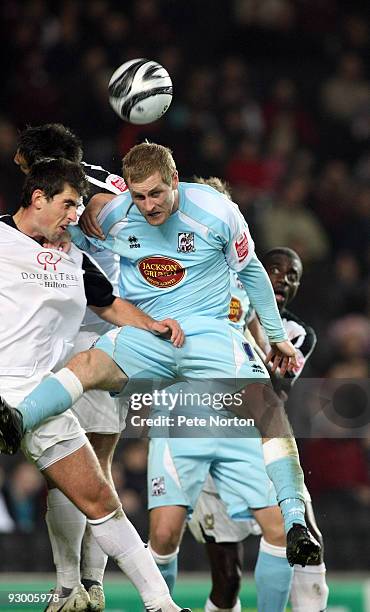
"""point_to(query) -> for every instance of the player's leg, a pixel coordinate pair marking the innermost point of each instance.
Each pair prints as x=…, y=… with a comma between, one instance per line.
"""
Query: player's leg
x=226, y=562
x=121, y=353
x=66, y=526
x=211, y=525
x=80, y=477
x=167, y=506
x=93, y=558
x=177, y=470
x=238, y=458
x=232, y=357
x=273, y=574
x=280, y=453
x=309, y=589
x=166, y=528
x=95, y=411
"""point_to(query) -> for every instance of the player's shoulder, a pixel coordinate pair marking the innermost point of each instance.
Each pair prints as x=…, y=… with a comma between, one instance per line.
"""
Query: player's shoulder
x=115, y=212
x=297, y=328
x=207, y=205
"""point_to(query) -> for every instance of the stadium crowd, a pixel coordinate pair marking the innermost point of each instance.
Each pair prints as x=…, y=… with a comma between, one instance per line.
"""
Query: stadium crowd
x=274, y=97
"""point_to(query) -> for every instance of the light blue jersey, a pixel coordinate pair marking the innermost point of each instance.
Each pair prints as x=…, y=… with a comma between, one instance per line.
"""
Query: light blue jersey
x=181, y=268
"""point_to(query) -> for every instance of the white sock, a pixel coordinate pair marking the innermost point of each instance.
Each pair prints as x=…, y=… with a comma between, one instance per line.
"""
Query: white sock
x=210, y=607
x=309, y=590
x=66, y=526
x=271, y=549
x=163, y=559
x=94, y=558
x=70, y=382
x=120, y=540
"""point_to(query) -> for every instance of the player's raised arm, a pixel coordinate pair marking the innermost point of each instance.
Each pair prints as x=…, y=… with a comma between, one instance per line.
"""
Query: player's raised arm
x=89, y=219
x=240, y=255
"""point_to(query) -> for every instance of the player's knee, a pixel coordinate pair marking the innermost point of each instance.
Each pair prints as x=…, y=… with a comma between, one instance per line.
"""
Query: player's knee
x=274, y=533
x=165, y=538
x=232, y=583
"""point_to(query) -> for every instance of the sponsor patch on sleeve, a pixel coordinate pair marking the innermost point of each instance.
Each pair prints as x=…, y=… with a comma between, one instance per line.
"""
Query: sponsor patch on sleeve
x=241, y=247
x=117, y=182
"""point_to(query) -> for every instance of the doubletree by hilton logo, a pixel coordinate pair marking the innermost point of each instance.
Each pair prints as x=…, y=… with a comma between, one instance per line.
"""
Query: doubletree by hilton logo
x=47, y=258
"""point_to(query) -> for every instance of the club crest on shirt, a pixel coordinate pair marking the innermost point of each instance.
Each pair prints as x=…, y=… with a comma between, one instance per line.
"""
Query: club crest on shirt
x=185, y=242
x=209, y=521
x=158, y=486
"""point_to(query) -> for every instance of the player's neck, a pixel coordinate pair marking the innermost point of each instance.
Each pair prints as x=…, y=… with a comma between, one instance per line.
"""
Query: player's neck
x=25, y=224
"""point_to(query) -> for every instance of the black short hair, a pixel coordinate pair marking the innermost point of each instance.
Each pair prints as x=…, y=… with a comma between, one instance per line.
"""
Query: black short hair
x=52, y=176
x=49, y=140
x=282, y=251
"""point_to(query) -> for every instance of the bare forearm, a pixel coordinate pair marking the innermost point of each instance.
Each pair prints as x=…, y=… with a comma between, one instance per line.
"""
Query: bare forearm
x=121, y=312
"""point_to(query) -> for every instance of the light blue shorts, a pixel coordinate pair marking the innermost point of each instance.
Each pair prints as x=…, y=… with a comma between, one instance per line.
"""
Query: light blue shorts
x=213, y=349
x=178, y=467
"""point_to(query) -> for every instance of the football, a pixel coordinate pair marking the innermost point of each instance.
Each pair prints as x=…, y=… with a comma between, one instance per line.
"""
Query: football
x=140, y=91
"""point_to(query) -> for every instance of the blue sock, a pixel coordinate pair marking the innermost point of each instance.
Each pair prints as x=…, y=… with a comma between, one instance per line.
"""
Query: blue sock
x=167, y=565
x=287, y=476
x=169, y=573
x=49, y=398
x=273, y=576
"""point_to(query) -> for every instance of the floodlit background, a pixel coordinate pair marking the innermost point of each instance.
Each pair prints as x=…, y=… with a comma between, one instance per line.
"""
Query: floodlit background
x=274, y=97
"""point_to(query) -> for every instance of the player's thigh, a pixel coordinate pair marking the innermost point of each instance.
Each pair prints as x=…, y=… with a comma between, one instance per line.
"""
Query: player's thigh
x=177, y=470
x=80, y=477
x=139, y=353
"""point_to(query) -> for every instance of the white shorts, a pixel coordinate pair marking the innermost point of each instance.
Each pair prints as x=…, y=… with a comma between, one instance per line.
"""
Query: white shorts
x=97, y=411
x=210, y=521
x=63, y=428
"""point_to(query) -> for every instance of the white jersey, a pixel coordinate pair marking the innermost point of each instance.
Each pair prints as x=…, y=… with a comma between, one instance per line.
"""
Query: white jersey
x=42, y=304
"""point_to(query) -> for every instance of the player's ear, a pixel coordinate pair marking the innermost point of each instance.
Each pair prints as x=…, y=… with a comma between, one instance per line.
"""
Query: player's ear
x=38, y=198
x=175, y=180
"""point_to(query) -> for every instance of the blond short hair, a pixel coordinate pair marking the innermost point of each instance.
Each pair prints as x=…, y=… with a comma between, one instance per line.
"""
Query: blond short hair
x=145, y=159
x=216, y=183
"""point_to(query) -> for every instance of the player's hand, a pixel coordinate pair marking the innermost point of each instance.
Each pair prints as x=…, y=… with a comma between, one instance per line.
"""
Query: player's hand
x=88, y=220
x=63, y=244
x=169, y=328
x=283, y=356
